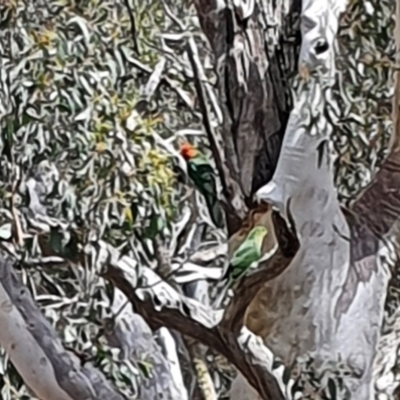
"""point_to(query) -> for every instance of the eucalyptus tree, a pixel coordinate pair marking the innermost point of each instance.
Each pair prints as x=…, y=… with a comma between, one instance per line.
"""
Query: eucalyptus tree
x=293, y=100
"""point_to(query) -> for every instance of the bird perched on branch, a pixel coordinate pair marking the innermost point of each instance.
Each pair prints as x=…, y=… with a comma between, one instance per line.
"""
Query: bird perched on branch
x=202, y=174
x=245, y=255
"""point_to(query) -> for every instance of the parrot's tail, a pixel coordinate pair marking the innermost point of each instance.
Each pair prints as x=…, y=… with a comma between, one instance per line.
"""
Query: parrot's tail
x=216, y=211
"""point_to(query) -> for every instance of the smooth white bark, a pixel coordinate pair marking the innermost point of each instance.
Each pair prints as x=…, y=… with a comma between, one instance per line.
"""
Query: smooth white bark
x=26, y=354
x=304, y=298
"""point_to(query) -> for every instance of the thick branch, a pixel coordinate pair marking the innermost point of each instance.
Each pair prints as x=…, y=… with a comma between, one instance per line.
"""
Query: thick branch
x=161, y=305
x=157, y=302
x=252, y=88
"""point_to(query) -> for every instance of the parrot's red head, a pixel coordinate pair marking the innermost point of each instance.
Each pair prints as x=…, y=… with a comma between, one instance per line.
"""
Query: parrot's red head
x=188, y=151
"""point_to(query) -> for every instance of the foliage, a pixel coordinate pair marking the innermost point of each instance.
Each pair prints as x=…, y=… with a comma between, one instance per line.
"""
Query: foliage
x=364, y=91
x=90, y=109
x=81, y=142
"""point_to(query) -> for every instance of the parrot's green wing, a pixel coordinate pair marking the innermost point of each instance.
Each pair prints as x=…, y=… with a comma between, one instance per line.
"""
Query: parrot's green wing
x=246, y=254
x=202, y=175
x=242, y=260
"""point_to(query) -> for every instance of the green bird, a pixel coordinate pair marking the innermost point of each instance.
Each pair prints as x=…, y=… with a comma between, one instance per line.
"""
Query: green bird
x=245, y=255
x=202, y=174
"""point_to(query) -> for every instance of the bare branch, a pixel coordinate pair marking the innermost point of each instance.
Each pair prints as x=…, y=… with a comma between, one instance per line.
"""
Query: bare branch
x=133, y=27
x=205, y=382
x=169, y=347
x=154, y=80
x=208, y=255
x=199, y=290
x=175, y=86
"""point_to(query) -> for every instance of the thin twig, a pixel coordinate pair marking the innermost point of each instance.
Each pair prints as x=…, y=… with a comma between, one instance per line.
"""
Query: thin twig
x=133, y=28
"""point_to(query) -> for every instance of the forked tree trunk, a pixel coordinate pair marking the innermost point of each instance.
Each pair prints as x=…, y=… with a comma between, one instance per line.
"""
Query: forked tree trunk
x=330, y=301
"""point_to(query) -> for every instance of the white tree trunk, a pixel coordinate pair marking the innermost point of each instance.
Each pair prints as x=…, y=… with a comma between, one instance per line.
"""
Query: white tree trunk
x=316, y=306
x=306, y=308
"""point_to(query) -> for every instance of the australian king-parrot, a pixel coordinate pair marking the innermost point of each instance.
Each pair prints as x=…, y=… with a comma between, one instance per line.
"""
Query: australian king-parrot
x=202, y=174
x=244, y=256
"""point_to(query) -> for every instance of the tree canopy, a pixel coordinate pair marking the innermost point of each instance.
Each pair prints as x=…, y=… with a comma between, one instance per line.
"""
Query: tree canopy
x=97, y=210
